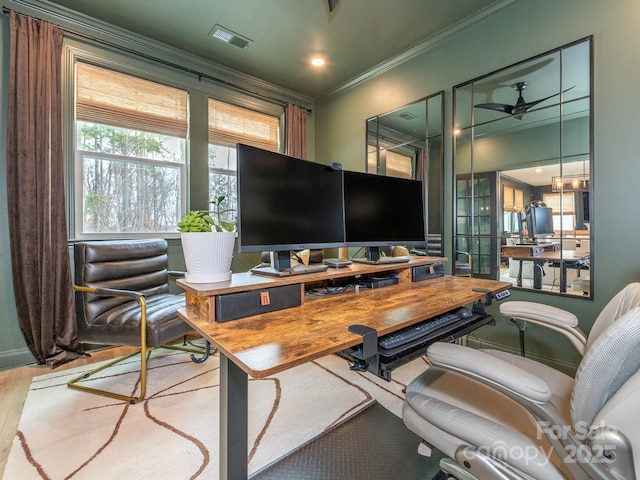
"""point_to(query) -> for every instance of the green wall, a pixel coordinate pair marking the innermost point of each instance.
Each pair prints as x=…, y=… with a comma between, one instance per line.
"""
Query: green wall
x=526, y=29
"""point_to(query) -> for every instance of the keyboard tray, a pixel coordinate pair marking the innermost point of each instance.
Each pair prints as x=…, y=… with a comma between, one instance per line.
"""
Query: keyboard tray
x=390, y=359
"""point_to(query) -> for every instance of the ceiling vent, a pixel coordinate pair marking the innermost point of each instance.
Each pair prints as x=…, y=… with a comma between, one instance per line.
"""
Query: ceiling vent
x=226, y=35
x=406, y=116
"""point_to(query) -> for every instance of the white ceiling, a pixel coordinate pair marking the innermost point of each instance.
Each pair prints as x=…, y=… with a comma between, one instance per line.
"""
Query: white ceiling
x=541, y=175
x=358, y=37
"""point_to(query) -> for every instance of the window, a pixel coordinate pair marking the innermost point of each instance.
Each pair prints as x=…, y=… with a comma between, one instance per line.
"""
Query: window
x=130, y=159
x=563, y=212
x=512, y=206
x=228, y=126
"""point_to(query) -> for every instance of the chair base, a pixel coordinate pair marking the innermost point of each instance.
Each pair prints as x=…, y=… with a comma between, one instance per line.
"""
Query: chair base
x=73, y=383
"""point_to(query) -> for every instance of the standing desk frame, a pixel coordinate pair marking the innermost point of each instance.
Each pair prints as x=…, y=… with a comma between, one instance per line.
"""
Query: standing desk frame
x=268, y=343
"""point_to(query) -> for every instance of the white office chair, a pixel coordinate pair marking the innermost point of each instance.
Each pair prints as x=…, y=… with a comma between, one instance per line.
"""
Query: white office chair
x=502, y=416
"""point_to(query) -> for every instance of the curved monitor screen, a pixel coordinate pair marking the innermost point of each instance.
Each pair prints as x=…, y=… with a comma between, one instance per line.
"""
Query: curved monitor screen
x=285, y=203
x=383, y=211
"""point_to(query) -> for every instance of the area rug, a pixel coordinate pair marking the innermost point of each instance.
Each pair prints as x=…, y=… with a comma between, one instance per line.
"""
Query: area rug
x=173, y=433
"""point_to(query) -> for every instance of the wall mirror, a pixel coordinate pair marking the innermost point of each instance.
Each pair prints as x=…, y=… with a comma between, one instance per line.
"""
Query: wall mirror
x=407, y=143
x=522, y=162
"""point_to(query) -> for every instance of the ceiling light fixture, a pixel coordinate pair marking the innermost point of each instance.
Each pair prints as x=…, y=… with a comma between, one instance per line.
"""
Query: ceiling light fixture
x=317, y=62
x=227, y=36
x=575, y=183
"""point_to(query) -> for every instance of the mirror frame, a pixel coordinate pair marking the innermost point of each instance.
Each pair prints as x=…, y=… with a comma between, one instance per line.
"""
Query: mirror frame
x=432, y=175
x=472, y=124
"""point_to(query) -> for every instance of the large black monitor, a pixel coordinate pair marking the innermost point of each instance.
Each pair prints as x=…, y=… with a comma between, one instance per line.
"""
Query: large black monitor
x=540, y=222
x=382, y=211
x=287, y=204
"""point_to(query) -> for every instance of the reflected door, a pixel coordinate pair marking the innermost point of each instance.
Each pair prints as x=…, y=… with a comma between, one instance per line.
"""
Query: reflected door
x=476, y=225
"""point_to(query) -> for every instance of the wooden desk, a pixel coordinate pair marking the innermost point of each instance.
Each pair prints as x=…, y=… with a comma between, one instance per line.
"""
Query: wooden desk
x=565, y=259
x=268, y=343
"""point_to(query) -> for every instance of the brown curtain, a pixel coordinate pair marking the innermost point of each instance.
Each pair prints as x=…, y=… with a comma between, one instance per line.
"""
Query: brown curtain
x=35, y=191
x=296, y=125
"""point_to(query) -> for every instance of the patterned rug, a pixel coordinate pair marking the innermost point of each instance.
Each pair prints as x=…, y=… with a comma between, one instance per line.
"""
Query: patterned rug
x=173, y=433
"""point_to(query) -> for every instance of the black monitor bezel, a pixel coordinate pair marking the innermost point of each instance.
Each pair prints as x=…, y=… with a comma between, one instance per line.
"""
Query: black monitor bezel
x=385, y=241
x=245, y=247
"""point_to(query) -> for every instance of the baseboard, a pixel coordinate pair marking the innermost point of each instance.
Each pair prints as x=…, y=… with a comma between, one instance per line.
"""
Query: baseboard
x=16, y=358
x=567, y=367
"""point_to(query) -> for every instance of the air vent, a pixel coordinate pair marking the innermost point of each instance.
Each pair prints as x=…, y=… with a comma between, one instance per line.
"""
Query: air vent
x=406, y=116
x=226, y=35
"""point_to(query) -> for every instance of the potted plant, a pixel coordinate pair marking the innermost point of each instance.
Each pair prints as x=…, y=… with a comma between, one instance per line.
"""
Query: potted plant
x=207, y=243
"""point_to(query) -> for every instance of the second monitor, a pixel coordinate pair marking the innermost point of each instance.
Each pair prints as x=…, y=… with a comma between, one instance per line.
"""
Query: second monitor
x=382, y=211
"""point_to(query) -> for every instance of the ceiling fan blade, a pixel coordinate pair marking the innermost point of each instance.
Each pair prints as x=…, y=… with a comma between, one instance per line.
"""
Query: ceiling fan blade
x=521, y=107
x=498, y=107
x=531, y=104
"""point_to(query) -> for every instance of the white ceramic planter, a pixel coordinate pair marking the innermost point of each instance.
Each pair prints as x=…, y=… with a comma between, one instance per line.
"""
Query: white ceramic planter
x=208, y=256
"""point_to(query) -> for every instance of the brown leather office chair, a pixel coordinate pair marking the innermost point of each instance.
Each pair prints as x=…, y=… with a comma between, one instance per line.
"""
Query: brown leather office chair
x=122, y=298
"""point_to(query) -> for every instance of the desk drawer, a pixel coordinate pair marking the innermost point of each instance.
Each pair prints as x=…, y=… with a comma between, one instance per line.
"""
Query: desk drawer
x=231, y=306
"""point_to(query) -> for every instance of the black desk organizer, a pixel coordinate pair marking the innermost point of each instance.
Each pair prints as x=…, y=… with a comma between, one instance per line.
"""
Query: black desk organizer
x=369, y=357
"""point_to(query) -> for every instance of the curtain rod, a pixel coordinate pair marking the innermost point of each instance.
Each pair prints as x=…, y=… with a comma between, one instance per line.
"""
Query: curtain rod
x=145, y=56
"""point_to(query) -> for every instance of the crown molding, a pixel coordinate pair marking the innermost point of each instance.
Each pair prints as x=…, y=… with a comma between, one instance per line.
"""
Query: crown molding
x=420, y=48
x=88, y=27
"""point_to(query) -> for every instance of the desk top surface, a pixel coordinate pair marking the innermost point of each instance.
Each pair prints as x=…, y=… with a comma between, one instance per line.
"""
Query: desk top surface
x=557, y=255
x=268, y=343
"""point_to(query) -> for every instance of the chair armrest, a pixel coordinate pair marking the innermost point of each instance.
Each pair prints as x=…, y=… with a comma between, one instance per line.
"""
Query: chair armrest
x=547, y=316
x=490, y=370
x=466, y=254
x=109, y=292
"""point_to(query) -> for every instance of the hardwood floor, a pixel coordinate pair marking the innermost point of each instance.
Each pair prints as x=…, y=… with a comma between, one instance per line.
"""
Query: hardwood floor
x=14, y=385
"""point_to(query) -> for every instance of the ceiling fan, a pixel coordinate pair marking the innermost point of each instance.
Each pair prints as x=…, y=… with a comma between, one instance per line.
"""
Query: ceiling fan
x=521, y=107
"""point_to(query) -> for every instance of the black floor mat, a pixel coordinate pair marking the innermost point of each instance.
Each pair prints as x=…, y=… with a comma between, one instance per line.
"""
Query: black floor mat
x=372, y=445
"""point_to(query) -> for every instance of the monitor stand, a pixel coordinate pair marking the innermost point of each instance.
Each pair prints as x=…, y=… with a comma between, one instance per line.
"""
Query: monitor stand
x=282, y=266
x=374, y=258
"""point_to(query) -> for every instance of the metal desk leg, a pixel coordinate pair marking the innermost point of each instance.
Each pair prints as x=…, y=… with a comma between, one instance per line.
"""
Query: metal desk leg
x=563, y=277
x=519, y=278
x=537, y=274
x=233, y=420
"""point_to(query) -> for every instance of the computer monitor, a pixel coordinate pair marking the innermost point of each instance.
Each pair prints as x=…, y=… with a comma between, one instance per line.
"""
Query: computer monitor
x=286, y=204
x=540, y=222
x=383, y=211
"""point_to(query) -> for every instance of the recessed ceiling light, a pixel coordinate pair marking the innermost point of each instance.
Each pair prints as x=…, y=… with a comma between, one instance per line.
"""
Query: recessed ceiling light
x=317, y=62
x=226, y=35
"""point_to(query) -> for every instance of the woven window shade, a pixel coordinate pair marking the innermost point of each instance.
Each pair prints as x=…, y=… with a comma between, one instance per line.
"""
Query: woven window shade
x=553, y=200
x=230, y=124
x=116, y=99
x=508, y=199
x=519, y=200
x=372, y=162
x=398, y=165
